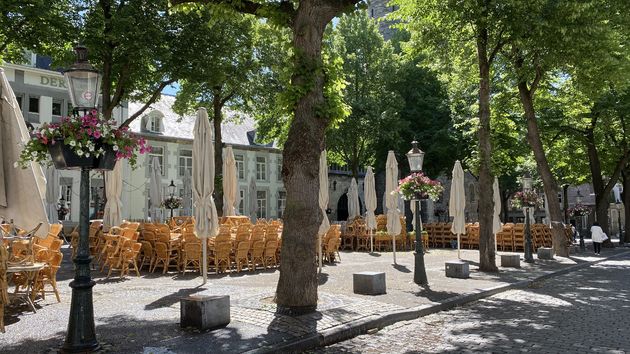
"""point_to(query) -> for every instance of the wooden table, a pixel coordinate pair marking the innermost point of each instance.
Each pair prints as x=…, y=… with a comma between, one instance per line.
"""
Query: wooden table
x=31, y=272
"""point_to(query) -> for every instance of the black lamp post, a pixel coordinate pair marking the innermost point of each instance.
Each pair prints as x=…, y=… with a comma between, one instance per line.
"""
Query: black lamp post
x=171, y=189
x=527, y=186
x=578, y=200
x=83, y=82
x=416, y=158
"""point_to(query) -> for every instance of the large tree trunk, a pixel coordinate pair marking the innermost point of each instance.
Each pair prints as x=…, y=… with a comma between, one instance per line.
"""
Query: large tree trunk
x=217, y=119
x=549, y=183
x=296, y=292
x=487, y=255
x=602, y=190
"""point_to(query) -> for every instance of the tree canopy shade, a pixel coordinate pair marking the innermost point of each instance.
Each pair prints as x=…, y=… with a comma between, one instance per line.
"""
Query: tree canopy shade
x=221, y=70
x=312, y=111
x=368, y=64
x=459, y=34
x=42, y=26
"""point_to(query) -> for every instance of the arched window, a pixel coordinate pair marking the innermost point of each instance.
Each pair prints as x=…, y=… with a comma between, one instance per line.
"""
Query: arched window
x=153, y=122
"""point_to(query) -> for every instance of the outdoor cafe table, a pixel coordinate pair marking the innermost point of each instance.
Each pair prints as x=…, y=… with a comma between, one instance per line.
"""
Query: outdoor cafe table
x=31, y=272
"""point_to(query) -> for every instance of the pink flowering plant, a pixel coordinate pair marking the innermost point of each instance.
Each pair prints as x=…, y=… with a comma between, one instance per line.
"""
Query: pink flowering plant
x=86, y=136
x=526, y=199
x=579, y=210
x=419, y=186
x=172, y=202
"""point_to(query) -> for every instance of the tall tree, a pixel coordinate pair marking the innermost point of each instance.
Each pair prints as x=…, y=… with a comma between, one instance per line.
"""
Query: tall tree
x=543, y=39
x=368, y=62
x=41, y=26
x=223, y=70
x=453, y=32
x=311, y=114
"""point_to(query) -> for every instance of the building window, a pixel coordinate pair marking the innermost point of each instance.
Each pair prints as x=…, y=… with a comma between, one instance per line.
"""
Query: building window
x=279, y=169
x=560, y=198
x=282, y=203
x=240, y=166
x=261, y=168
x=56, y=107
x=241, y=202
x=19, y=100
x=261, y=203
x=33, y=105
x=157, y=151
x=185, y=162
x=154, y=124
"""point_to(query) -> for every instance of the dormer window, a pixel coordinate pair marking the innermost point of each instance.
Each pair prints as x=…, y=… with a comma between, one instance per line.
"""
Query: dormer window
x=153, y=122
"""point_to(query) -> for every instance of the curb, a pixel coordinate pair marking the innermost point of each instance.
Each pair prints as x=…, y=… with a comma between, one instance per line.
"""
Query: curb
x=363, y=325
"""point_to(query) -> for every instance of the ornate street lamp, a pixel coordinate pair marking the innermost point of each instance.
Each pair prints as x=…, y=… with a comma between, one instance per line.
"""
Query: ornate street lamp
x=171, y=190
x=83, y=82
x=415, y=156
x=527, y=186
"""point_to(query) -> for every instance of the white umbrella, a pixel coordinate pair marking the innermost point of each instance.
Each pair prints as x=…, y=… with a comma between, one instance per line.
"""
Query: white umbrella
x=230, y=186
x=323, y=202
x=353, y=200
x=205, y=212
x=187, y=197
x=393, y=215
x=112, y=215
x=155, y=190
x=52, y=193
x=496, y=219
x=22, y=191
x=253, y=207
x=457, y=204
x=369, y=188
x=547, y=213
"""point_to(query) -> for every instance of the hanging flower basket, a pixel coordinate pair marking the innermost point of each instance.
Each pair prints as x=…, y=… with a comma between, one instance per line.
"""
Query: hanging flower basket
x=65, y=158
x=579, y=210
x=418, y=186
x=78, y=142
x=172, y=203
x=526, y=199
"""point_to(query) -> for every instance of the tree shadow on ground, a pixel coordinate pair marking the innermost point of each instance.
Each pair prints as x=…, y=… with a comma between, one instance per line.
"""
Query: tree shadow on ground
x=401, y=268
x=173, y=298
x=128, y=334
x=433, y=295
x=322, y=278
x=548, y=310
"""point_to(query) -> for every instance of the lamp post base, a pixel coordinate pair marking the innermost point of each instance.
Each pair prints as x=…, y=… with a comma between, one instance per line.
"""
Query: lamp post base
x=419, y=273
x=419, y=270
x=81, y=336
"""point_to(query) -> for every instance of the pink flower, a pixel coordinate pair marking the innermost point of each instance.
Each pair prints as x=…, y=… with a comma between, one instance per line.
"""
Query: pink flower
x=96, y=134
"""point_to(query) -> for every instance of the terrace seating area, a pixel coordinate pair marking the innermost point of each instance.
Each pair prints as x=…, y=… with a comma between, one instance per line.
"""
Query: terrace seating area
x=510, y=238
x=131, y=247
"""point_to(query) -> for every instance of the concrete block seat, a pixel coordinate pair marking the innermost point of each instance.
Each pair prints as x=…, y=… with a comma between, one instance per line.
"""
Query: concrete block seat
x=205, y=312
x=457, y=269
x=369, y=283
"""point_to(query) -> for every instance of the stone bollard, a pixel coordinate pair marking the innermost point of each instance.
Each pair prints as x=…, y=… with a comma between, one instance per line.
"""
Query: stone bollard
x=545, y=253
x=205, y=312
x=511, y=260
x=369, y=283
x=457, y=269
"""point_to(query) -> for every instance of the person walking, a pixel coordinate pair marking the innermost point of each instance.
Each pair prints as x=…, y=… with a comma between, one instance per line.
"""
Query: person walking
x=598, y=236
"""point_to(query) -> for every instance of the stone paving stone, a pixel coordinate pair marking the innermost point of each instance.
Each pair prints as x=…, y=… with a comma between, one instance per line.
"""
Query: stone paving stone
x=550, y=318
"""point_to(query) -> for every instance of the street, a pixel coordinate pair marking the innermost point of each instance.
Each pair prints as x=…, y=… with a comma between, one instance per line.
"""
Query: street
x=580, y=312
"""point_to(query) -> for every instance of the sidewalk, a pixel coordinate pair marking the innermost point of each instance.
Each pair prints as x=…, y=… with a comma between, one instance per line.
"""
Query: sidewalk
x=142, y=314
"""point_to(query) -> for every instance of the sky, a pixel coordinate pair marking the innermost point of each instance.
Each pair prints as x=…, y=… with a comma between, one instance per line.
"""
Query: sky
x=171, y=90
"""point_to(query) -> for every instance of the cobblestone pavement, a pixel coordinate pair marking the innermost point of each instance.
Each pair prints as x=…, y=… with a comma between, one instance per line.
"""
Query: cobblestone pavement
x=580, y=312
x=135, y=313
